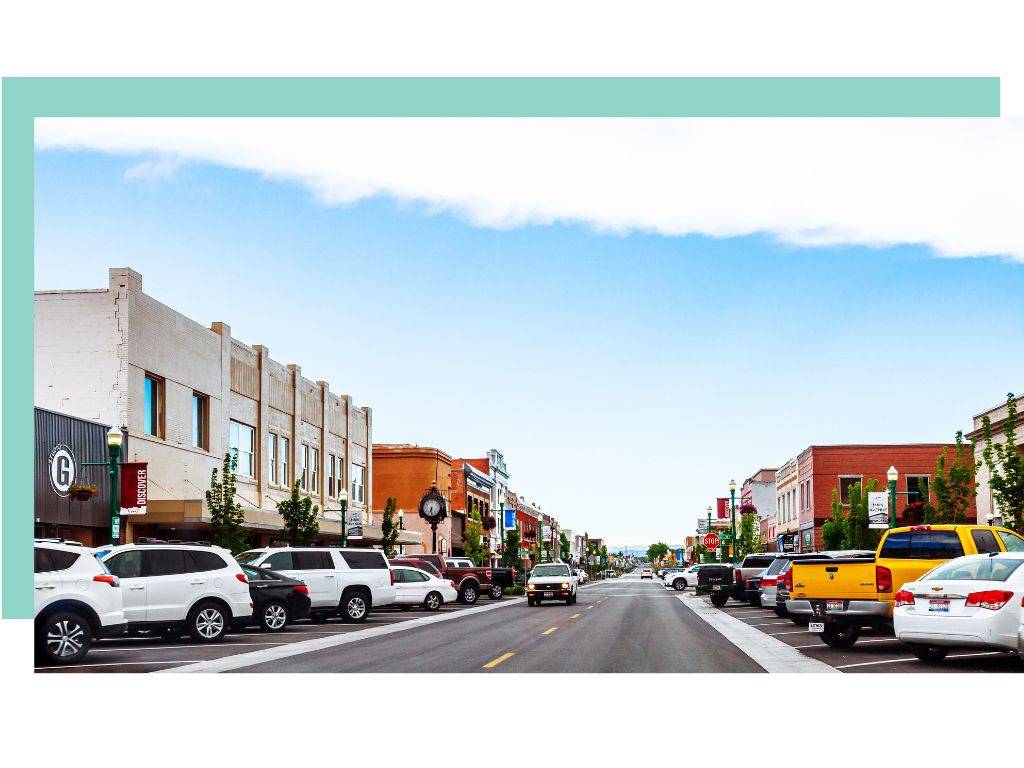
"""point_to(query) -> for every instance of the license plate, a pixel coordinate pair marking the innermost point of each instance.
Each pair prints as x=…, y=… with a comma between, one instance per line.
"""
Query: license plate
x=834, y=605
x=816, y=626
x=716, y=587
x=549, y=594
x=939, y=606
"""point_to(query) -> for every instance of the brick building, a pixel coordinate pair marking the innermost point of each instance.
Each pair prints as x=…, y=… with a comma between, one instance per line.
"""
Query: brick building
x=987, y=508
x=787, y=508
x=759, y=490
x=824, y=468
x=406, y=472
x=188, y=394
x=472, y=489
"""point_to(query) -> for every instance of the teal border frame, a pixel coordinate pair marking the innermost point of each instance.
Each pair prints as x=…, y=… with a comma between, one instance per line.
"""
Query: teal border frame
x=25, y=99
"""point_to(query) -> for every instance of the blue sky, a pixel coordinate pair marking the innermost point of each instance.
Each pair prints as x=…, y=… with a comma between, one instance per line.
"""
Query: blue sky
x=626, y=376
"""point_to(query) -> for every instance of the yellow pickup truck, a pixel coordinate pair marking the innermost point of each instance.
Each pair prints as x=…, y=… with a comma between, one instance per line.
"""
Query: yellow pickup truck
x=840, y=597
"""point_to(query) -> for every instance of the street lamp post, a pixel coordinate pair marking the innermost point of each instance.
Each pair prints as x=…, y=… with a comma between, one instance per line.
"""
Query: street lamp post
x=114, y=440
x=401, y=527
x=732, y=496
x=892, y=476
x=343, y=498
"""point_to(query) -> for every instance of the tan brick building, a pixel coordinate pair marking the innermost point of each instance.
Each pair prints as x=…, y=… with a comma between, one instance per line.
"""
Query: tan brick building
x=188, y=394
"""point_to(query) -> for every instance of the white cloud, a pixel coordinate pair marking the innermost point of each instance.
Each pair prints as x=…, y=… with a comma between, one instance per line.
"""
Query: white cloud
x=954, y=185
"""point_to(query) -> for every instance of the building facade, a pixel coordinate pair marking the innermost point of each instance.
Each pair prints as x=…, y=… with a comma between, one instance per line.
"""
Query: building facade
x=824, y=468
x=787, y=510
x=759, y=491
x=987, y=508
x=471, y=495
x=405, y=473
x=188, y=394
x=493, y=464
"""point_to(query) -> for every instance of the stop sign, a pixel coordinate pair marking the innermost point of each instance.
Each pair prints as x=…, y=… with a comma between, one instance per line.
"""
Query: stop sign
x=711, y=541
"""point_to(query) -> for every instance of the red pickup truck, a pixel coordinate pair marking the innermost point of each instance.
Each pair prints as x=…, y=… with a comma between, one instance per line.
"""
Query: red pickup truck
x=471, y=582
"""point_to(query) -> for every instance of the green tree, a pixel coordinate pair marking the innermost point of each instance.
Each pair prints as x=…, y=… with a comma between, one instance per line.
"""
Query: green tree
x=1005, y=464
x=388, y=527
x=299, y=514
x=833, y=530
x=472, y=541
x=226, y=516
x=746, y=535
x=656, y=551
x=564, y=546
x=510, y=552
x=858, y=534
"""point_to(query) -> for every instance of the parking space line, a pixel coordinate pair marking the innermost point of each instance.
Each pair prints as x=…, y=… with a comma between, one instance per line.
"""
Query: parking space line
x=769, y=624
x=495, y=662
x=875, y=640
x=123, y=664
x=770, y=654
x=132, y=648
x=900, y=661
x=589, y=607
x=798, y=632
x=549, y=631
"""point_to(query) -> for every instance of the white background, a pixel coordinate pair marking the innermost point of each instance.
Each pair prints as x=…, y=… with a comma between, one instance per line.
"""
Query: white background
x=833, y=720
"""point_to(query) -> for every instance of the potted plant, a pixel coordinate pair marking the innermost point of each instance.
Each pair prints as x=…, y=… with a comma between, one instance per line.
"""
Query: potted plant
x=81, y=492
x=489, y=523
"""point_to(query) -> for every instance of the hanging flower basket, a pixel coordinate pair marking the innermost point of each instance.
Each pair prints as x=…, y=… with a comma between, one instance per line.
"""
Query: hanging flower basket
x=81, y=492
x=748, y=509
x=489, y=523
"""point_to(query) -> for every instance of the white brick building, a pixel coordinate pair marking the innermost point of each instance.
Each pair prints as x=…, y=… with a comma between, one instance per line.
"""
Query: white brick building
x=188, y=394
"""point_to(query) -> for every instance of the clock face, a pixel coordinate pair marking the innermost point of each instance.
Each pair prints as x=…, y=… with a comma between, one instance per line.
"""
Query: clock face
x=431, y=507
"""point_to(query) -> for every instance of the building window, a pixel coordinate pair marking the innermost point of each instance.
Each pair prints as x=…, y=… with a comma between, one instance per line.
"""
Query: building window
x=241, y=441
x=358, y=484
x=154, y=406
x=330, y=474
x=917, y=487
x=303, y=467
x=845, y=484
x=283, y=459
x=200, y=421
x=314, y=470
x=272, y=458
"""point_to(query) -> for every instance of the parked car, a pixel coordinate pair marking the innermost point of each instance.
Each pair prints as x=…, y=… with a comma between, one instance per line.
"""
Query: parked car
x=581, y=575
x=173, y=589
x=471, y=581
x=668, y=573
x=415, y=586
x=719, y=580
x=423, y=565
x=842, y=596
x=683, y=578
x=77, y=600
x=775, y=587
x=349, y=582
x=748, y=574
x=277, y=600
x=972, y=602
x=551, y=581
x=645, y=573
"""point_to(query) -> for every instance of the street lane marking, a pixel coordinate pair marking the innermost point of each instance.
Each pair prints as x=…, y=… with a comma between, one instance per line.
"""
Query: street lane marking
x=243, y=660
x=589, y=607
x=900, y=661
x=122, y=664
x=771, y=654
x=549, y=631
x=495, y=662
x=876, y=640
x=130, y=649
x=574, y=616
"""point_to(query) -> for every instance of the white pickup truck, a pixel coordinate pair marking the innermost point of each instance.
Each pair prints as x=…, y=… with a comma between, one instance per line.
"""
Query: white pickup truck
x=349, y=582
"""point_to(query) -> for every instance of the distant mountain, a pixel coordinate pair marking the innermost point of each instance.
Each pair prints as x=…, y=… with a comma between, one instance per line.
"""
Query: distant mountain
x=634, y=550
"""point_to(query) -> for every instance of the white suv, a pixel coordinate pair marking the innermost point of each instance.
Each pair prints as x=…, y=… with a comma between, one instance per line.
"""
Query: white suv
x=175, y=588
x=77, y=601
x=345, y=581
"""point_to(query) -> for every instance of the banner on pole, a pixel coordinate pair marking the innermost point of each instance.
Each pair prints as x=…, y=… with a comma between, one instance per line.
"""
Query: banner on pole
x=878, y=509
x=134, y=487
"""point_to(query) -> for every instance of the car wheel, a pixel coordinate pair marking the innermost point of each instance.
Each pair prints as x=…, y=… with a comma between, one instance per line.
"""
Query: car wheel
x=839, y=636
x=207, y=623
x=781, y=612
x=756, y=601
x=468, y=595
x=530, y=602
x=679, y=585
x=800, y=621
x=496, y=592
x=930, y=652
x=355, y=607
x=432, y=602
x=274, y=617
x=63, y=638
x=318, y=618
x=718, y=599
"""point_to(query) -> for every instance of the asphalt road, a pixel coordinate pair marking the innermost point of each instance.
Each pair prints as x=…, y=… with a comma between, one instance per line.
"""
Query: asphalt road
x=621, y=625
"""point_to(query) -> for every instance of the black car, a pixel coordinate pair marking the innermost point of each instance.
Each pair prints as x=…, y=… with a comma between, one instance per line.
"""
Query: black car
x=277, y=600
x=716, y=579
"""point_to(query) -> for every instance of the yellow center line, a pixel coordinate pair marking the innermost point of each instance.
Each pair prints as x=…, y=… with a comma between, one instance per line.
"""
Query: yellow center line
x=549, y=631
x=574, y=616
x=589, y=607
x=497, y=661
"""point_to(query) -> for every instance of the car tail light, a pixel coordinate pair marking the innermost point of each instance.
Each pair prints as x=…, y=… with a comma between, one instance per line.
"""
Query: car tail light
x=769, y=581
x=514, y=572
x=241, y=578
x=786, y=581
x=739, y=576
x=107, y=578
x=883, y=579
x=904, y=597
x=392, y=574
x=301, y=588
x=920, y=527
x=992, y=599
x=453, y=584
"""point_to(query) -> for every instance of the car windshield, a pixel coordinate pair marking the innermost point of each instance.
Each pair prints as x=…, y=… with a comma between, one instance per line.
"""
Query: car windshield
x=975, y=568
x=777, y=565
x=551, y=570
x=248, y=557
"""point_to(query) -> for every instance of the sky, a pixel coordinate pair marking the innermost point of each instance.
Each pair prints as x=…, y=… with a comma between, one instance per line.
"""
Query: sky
x=634, y=311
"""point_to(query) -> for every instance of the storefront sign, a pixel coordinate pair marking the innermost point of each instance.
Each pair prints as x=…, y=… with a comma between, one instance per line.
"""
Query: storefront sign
x=354, y=524
x=878, y=509
x=545, y=533
x=63, y=469
x=134, y=487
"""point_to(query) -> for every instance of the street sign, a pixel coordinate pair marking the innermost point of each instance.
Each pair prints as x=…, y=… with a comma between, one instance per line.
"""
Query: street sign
x=510, y=519
x=711, y=541
x=878, y=509
x=702, y=526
